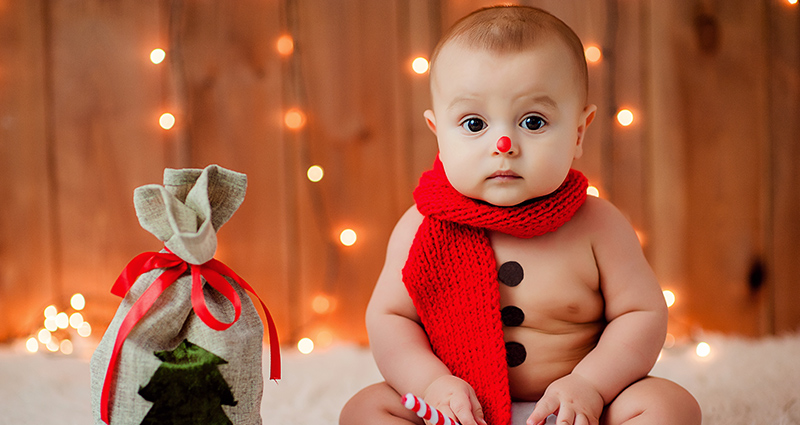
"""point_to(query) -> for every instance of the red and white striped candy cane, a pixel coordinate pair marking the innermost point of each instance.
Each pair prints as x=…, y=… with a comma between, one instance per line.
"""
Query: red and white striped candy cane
x=418, y=406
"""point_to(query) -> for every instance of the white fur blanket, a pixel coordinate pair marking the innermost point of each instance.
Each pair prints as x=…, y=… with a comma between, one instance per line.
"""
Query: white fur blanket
x=741, y=382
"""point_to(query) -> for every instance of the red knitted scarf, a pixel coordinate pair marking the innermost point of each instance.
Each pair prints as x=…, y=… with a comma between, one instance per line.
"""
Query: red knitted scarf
x=451, y=276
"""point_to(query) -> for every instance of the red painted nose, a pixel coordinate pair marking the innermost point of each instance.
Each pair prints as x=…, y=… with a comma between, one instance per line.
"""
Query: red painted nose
x=504, y=144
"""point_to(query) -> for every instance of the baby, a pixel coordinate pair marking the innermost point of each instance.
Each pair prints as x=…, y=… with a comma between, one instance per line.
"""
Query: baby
x=505, y=281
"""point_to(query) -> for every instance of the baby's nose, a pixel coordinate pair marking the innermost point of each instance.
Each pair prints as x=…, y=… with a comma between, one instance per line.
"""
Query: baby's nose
x=504, y=144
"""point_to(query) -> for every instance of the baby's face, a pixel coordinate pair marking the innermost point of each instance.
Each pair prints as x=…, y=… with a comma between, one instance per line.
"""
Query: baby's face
x=533, y=97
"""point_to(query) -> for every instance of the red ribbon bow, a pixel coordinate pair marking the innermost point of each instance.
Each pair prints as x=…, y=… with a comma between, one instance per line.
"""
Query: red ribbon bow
x=174, y=267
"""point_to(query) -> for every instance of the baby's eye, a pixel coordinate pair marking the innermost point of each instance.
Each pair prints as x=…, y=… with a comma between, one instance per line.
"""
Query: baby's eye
x=533, y=123
x=473, y=125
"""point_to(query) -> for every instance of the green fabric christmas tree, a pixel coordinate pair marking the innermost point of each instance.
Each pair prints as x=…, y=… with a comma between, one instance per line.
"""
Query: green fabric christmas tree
x=187, y=388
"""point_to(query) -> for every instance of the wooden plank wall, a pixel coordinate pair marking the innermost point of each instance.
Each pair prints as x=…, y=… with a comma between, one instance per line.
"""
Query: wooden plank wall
x=707, y=173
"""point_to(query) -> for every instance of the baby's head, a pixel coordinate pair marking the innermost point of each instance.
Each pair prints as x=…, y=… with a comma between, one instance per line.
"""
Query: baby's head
x=512, y=73
x=514, y=29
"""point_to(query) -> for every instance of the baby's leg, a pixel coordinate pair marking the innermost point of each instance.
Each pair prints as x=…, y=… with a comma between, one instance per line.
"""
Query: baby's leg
x=653, y=401
x=377, y=404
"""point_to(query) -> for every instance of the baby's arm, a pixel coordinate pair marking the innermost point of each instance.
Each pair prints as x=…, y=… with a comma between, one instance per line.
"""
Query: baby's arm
x=400, y=345
x=636, y=314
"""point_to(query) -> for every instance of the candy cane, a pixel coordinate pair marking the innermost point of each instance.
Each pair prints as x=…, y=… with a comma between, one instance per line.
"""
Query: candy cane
x=424, y=411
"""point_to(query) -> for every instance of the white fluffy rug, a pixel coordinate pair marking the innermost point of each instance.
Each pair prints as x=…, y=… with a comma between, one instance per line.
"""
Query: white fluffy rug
x=740, y=382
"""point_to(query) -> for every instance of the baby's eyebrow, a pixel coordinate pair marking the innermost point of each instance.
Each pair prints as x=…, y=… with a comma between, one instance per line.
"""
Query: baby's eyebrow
x=459, y=100
x=544, y=100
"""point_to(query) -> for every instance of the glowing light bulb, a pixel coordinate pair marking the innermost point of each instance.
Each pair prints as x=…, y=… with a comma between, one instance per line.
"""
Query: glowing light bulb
x=625, y=117
x=76, y=320
x=50, y=324
x=84, y=329
x=792, y=1
x=50, y=311
x=66, y=347
x=157, y=56
x=669, y=341
x=703, y=350
x=52, y=345
x=294, y=119
x=669, y=297
x=305, y=345
x=77, y=302
x=593, y=191
x=420, y=65
x=62, y=320
x=315, y=173
x=166, y=121
x=593, y=54
x=348, y=237
x=321, y=304
x=32, y=345
x=324, y=338
x=285, y=45
x=44, y=336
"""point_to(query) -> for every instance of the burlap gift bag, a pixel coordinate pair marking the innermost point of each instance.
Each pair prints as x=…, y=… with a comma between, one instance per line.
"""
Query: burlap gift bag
x=185, y=344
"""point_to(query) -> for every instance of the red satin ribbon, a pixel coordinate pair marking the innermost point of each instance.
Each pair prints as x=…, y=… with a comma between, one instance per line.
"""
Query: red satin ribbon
x=213, y=271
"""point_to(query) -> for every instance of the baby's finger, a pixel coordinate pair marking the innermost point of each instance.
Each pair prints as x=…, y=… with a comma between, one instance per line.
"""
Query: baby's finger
x=477, y=410
x=566, y=416
x=545, y=407
x=462, y=410
x=581, y=419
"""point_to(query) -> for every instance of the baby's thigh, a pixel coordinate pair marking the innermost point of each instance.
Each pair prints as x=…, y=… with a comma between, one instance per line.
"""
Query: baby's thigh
x=378, y=403
x=653, y=401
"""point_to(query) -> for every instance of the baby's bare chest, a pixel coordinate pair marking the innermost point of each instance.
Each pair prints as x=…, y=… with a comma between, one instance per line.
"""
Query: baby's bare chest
x=547, y=281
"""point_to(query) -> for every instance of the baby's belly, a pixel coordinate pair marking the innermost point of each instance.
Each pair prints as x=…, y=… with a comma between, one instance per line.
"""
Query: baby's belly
x=547, y=355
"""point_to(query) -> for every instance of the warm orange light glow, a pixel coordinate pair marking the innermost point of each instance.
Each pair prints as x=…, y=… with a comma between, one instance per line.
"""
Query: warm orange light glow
x=669, y=341
x=321, y=304
x=669, y=297
x=166, y=121
x=703, y=349
x=642, y=238
x=32, y=345
x=593, y=53
x=348, y=237
x=78, y=302
x=792, y=1
x=625, y=117
x=157, y=56
x=305, y=345
x=420, y=65
x=315, y=173
x=285, y=45
x=593, y=191
x=294, y=119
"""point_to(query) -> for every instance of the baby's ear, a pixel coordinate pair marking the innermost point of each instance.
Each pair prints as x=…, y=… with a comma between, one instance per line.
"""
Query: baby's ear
x=587, y=116
x=430, y=119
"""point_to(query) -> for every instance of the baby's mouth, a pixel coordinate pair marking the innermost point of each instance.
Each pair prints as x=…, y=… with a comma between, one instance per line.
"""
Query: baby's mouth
x=503, y=175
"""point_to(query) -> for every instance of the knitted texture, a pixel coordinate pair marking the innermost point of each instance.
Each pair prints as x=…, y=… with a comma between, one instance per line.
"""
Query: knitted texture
x=451, y=276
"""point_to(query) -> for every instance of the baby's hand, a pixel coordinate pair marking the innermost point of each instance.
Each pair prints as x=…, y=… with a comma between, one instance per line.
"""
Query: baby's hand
x=573, y=399
x=454, y=397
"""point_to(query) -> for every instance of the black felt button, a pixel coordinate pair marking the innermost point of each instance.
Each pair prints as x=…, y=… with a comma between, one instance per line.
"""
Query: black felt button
x=512, y=315
x=515, y=354
x=510, y=273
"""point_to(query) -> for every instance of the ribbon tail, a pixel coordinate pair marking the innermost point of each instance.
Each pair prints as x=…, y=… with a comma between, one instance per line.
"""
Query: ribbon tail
x=137, y=311
x=274, y=344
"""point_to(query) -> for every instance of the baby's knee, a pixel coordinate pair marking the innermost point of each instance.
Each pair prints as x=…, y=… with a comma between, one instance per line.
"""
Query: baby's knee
x=374, y=404
x=659, y=400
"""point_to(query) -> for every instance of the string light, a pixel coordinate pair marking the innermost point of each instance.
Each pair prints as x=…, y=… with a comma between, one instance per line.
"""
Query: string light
x=85, y=329
x=669, y=341
x=593, y=54
x=50, y=311
x=420, y=65
x=166, y=121
x=32, y=345
x=76, y=320
x=78, y=302
x=44, y=336
x=157, y=56
x=625, y=117
x=321, y=304
x=305, y=345
x=315, y=173
x=592, y=191
x=294, y=118
x=348, y=237
x=669, y=297
x=703, y=350
x=285, y=45
x=66, y=347
x=62, y=320
x=792, y=1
